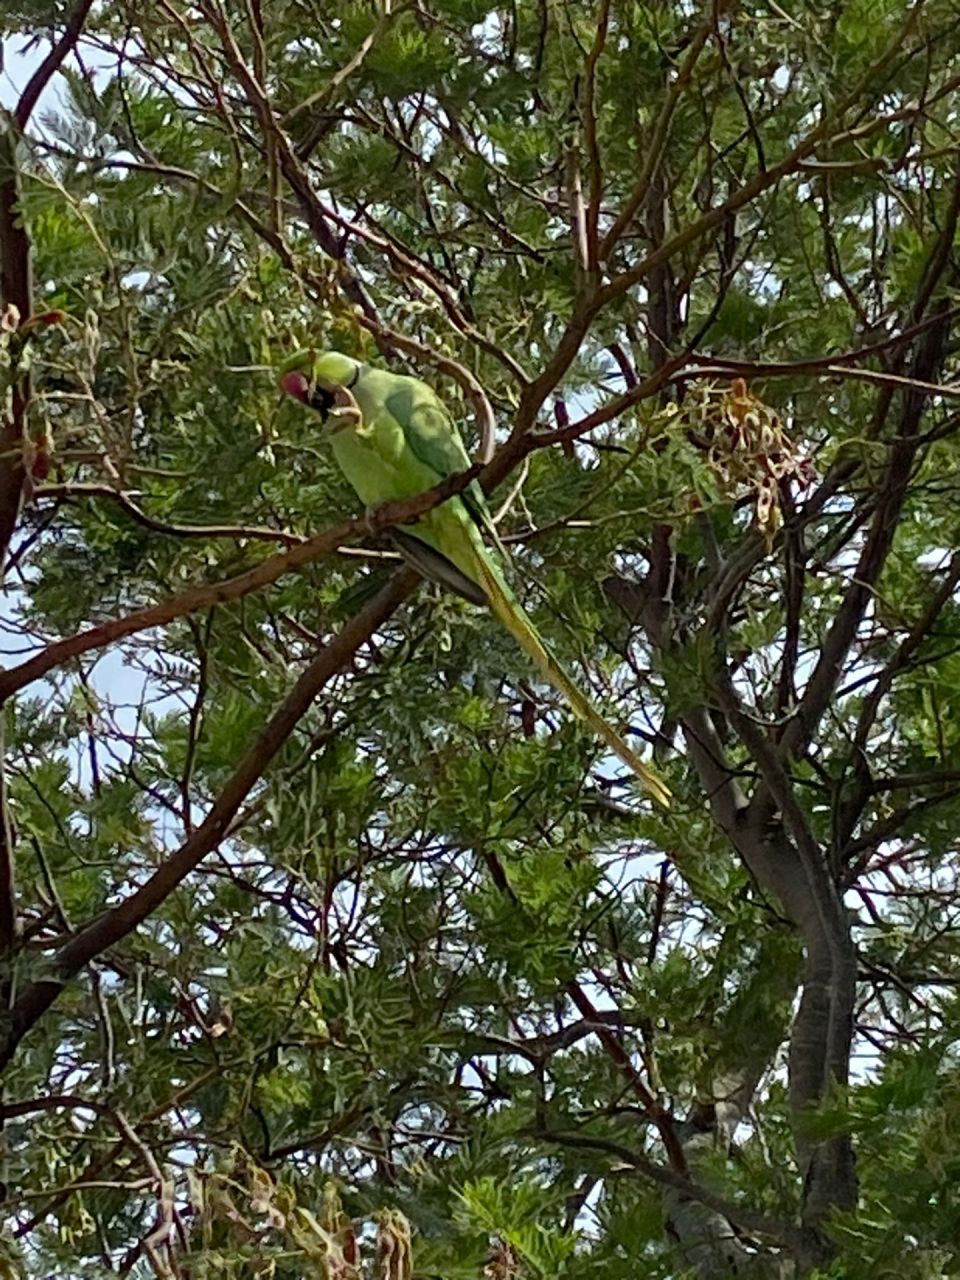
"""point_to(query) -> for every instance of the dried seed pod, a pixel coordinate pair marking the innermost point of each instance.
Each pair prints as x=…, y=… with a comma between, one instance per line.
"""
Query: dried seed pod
x=745, y=446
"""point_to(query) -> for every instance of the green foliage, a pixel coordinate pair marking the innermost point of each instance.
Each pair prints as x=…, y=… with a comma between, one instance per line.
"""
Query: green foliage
x=407, y=1015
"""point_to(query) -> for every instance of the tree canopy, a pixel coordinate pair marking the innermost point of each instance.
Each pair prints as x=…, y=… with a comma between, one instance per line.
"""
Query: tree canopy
x=330, y=942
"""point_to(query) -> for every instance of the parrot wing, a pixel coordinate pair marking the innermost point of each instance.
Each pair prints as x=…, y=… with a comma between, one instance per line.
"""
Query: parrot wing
x=435, y=566
x=434, y=440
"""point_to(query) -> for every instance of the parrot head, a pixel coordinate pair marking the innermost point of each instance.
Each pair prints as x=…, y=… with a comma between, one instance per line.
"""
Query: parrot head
x=314, y=378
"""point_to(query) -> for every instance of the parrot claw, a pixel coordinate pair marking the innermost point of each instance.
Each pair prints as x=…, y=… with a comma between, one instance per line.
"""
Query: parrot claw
x=342, y=419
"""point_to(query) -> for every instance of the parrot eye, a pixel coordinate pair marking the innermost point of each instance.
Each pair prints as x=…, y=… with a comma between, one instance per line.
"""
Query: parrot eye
x=322, y=400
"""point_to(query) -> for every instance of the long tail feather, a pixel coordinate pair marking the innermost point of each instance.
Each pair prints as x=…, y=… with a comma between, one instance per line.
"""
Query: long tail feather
x=511, y=615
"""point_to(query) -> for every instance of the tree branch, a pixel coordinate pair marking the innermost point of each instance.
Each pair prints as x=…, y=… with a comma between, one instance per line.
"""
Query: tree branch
x=202, y=597
x=51, y=64
x=863, y=781
x=77, y=491
x=836, y=644
x=762, y=181
x=823, y=1028
x=16, y=273
x=654, y=146
x=8, y=901
x=122, y=919
x=784, y=1233
x=591, y=254
x=619, y=1055
x=16, y=290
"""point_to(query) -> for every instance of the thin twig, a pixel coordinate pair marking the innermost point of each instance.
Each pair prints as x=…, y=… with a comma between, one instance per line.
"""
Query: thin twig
x=77, y=491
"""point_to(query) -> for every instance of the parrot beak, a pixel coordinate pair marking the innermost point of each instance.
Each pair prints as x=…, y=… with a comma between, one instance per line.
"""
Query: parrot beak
x=297, y=385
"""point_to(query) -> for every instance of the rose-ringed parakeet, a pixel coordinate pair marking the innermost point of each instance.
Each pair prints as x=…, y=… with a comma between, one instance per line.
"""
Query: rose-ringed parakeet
x=401, y=443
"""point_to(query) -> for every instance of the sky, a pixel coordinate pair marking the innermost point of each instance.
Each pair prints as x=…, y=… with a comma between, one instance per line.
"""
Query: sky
x=21, y=57
x=18, y=67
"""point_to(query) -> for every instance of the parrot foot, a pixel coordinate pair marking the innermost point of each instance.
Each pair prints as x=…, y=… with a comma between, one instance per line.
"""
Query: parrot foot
x=374, y=528
x=345, y=415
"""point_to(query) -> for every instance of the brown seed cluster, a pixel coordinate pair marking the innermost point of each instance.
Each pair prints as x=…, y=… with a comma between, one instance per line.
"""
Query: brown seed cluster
x=745, y=445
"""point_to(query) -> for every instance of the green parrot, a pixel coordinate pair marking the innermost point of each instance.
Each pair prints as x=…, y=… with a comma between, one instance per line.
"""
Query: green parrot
x=393, y=439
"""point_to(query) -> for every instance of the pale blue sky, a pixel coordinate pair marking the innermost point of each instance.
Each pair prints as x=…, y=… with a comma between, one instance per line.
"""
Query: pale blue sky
x=18, y=67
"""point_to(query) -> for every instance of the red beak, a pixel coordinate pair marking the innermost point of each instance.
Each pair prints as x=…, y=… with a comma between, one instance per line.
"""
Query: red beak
x=297, y=385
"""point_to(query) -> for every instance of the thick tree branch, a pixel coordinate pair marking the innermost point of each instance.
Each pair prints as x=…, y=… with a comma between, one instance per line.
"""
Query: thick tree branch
x=202, y=597
x=823, y=1029
x=798, y=1241
x=51, y=63
x=16, y=290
